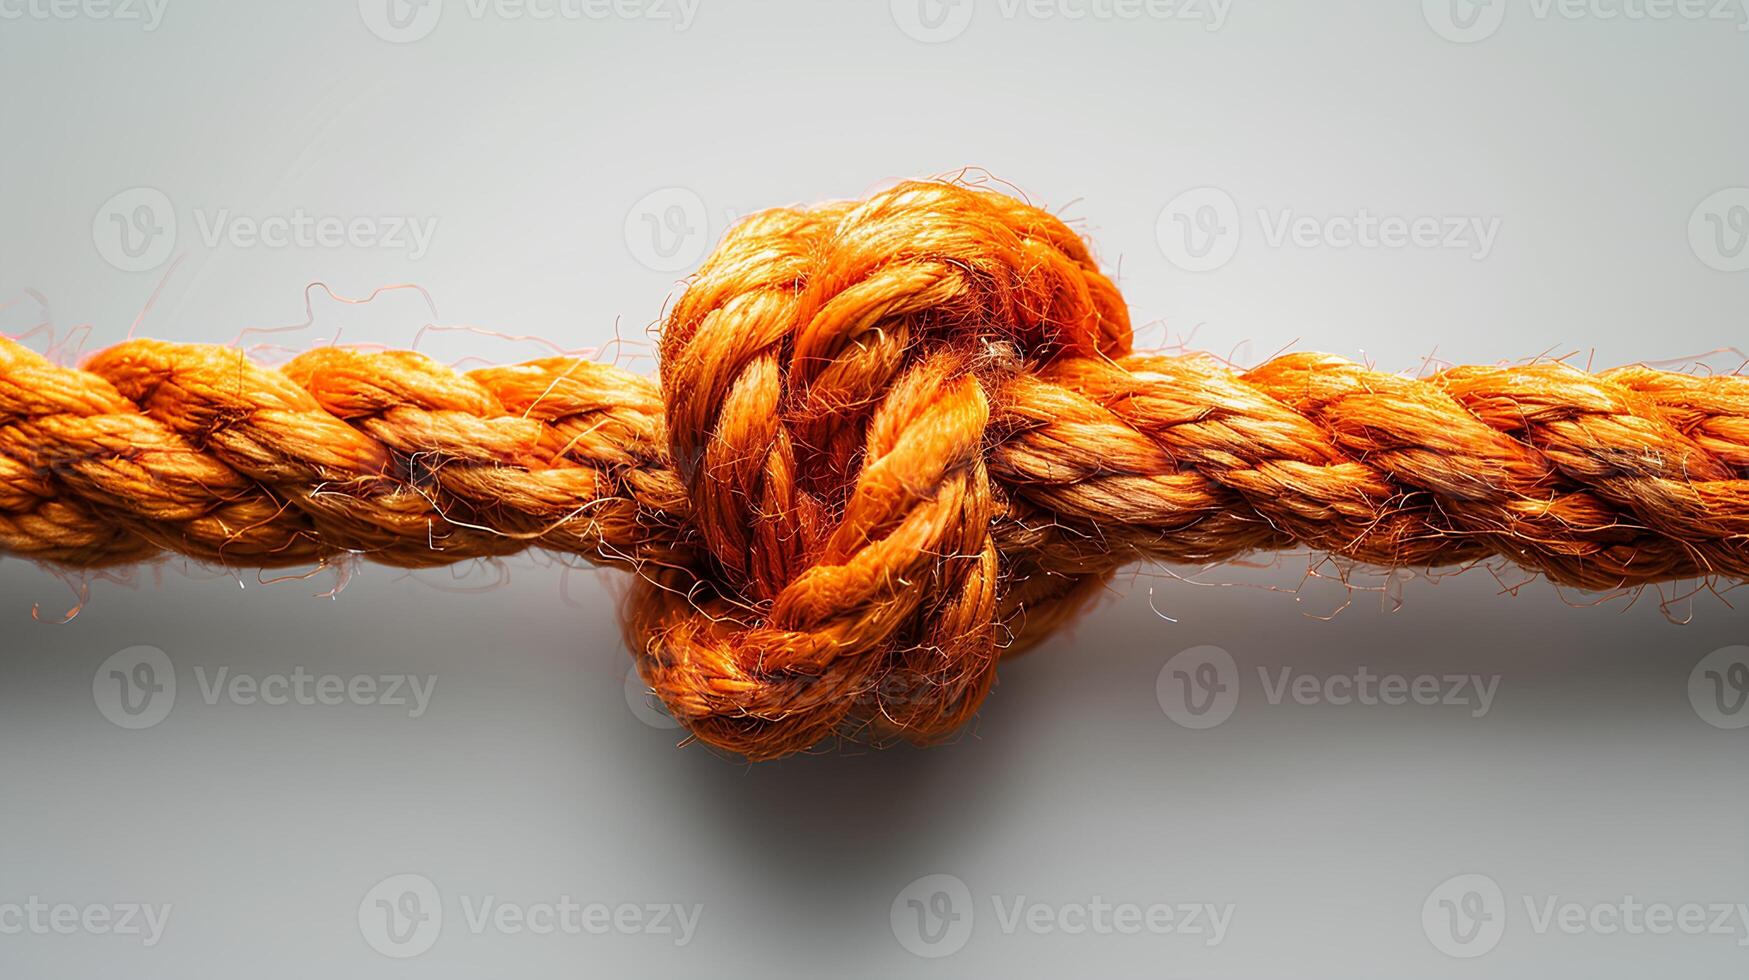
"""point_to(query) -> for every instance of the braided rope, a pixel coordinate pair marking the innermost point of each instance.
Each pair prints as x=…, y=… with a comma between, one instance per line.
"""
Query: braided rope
x=892, y=440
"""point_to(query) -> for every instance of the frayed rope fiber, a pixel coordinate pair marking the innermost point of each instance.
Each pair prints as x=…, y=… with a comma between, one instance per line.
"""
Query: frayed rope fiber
x=893, y=440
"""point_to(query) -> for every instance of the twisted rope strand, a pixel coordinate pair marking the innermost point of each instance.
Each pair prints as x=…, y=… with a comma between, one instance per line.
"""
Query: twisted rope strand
x=892, y=440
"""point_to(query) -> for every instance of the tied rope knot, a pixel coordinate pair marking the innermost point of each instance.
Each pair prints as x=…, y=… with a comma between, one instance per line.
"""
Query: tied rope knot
x=831, y=376
x=892, y=441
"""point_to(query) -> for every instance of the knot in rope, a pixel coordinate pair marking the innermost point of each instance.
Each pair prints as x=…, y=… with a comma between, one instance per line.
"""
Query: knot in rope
x=892, y=441
x=831, y=377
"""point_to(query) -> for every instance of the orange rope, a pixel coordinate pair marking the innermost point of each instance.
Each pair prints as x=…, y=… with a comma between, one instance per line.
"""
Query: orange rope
x=893, y=440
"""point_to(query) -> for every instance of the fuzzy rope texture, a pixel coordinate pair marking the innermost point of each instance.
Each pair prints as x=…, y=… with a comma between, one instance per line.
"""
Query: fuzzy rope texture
x=892, y=441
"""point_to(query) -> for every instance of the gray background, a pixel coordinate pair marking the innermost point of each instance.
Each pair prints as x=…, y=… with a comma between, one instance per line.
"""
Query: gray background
x=535, y=145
